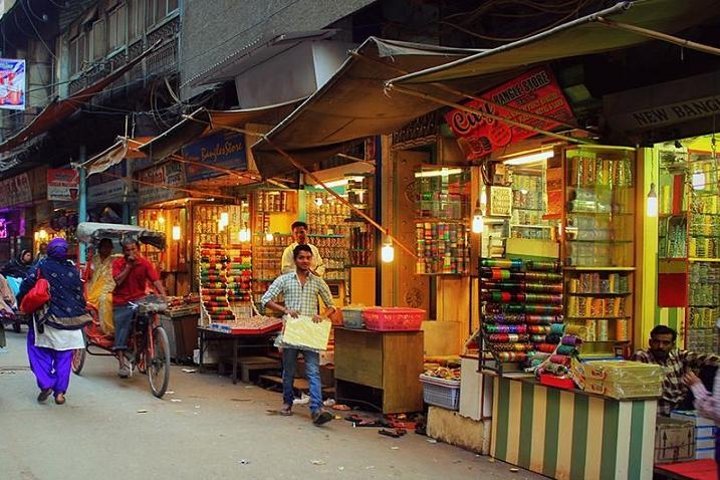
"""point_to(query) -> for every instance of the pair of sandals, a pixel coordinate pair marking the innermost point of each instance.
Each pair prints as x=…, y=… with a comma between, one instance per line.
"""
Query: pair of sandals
x=45, y=394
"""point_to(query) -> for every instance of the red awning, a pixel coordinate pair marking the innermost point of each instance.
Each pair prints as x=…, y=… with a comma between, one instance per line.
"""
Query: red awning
x=58, y=110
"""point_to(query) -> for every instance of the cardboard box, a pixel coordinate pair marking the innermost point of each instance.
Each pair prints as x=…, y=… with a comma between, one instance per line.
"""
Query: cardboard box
x=692, y=416
x=619, y=379
x=674, y=440
x=705, y=453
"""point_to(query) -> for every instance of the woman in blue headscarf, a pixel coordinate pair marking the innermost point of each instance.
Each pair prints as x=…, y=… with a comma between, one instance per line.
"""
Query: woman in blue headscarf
x=57, y=326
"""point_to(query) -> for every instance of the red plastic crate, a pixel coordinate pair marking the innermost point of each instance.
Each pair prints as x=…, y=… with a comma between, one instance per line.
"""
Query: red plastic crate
x=393, y=319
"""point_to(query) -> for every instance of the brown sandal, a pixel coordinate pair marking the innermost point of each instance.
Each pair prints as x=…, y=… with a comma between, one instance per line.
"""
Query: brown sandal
x=60, y=399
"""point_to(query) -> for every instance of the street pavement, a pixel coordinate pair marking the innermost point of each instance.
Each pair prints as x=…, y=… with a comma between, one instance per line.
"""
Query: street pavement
x=204, y=428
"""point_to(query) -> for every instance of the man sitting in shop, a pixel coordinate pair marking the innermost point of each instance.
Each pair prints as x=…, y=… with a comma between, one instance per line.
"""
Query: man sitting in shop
x=676, y=363
x=301, y=289
x=131, y=273
x=300, y=235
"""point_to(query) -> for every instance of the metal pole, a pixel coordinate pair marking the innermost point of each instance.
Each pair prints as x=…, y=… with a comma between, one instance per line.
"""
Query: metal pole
x=82, y=202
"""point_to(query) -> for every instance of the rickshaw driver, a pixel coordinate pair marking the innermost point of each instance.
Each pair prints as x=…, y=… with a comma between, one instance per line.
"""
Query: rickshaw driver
x=131, y=272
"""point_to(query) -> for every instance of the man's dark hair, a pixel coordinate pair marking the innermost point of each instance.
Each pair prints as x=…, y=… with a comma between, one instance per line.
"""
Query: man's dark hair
x=663, y=330
x=298, y=224
x=301, y=248
x=105, y=241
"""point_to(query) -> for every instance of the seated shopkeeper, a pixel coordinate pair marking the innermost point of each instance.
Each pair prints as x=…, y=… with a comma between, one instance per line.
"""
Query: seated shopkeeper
x=676, y=363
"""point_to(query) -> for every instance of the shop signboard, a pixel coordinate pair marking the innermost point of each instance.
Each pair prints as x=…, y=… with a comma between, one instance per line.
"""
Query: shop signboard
x=12, y=84
x=15, y=191
x=158, y=184
x=535, y=91
x=62, y=184
x=223, y=150
x=108, y=192
x=676, y=109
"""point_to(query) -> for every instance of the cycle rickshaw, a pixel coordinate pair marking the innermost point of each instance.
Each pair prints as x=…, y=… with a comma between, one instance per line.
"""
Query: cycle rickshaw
x=148, y=345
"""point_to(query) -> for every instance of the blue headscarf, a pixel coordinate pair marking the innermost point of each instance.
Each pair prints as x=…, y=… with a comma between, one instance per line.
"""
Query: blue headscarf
x=58, y=249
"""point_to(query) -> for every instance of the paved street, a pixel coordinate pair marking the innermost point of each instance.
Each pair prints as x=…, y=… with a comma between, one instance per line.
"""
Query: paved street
x=207, y=428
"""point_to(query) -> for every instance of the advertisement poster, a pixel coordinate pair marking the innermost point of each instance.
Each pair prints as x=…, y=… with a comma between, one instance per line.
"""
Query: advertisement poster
x=535, y=91
x=12, y=84
x=156, y=183
x=15, y=191
x=62, y=184
x=224, y=150
x=554, y=187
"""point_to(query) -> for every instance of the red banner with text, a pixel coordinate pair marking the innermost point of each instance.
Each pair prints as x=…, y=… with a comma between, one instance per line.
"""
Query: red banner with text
x=535, y=91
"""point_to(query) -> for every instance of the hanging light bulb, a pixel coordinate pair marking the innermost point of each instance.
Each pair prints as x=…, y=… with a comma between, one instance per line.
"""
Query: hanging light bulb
x=221, y=226
x=161, y=220
x=269, y=237
x=176, y=232
x=224, y=219
x=652, y=202
x=387, y=252
x=318, y=201
x=478, y=222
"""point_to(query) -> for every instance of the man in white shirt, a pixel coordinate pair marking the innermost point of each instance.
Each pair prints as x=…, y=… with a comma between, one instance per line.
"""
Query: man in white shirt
x=300, y=234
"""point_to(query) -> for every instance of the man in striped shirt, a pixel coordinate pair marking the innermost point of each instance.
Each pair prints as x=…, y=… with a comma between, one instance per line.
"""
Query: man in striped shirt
x=301, y=289
x=676, y=363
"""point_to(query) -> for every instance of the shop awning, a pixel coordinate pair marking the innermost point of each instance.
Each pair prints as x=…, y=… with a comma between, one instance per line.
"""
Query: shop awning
x=58, y=110
x=107, y=158
x=352, y=104
x=587, y=35
x=204, y=121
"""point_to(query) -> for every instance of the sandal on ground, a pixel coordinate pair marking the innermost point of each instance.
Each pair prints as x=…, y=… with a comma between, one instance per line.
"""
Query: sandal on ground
x=44, y=395
x=286, y=410
x=60, y=399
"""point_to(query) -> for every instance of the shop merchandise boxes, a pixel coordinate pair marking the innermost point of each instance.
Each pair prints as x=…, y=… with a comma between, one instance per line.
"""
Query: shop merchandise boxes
x=704, y=432
x=619, y=379
x=674, y=440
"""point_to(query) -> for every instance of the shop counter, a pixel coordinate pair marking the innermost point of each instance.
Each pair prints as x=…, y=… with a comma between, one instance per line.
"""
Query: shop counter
x=569, y=434
x=262, y=341
x=379, y=368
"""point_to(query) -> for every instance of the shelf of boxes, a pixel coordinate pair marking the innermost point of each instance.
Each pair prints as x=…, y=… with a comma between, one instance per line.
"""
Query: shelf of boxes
x=442, y=210
x=598, y=245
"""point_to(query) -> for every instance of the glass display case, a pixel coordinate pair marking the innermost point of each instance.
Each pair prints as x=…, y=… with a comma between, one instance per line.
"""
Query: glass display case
x=689, y=242
x=443, y=209
x=598, y=245
x=529, y=203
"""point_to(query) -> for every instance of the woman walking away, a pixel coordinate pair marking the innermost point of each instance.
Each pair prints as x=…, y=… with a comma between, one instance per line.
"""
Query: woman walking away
x=57, y=326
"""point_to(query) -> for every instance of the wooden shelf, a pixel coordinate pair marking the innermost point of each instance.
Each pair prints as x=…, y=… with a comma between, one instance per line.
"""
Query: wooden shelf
x=608, y=317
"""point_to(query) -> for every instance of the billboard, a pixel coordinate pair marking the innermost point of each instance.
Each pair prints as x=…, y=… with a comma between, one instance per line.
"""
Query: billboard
x=535, y=91
x=63, y=184
x=224, y=150
x=12, y=84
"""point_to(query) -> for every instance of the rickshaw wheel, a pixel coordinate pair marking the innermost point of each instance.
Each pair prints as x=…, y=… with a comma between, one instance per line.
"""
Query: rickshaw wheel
x=78, y=357
x=158, y=365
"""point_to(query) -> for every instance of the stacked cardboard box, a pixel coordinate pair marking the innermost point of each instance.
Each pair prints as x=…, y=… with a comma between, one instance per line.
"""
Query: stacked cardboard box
x=704, y=432
x=674, y=440
x=619, y=379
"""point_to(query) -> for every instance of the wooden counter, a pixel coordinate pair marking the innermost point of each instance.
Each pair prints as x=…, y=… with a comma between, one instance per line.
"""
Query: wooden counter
x=380, y=368
x=569, y=434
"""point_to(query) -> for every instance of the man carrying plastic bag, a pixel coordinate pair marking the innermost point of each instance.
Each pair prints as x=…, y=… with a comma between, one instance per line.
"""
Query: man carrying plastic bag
x=301, y=289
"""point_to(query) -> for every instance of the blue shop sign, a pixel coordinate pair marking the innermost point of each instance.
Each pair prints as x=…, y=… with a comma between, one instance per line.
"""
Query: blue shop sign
x=226, y=150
